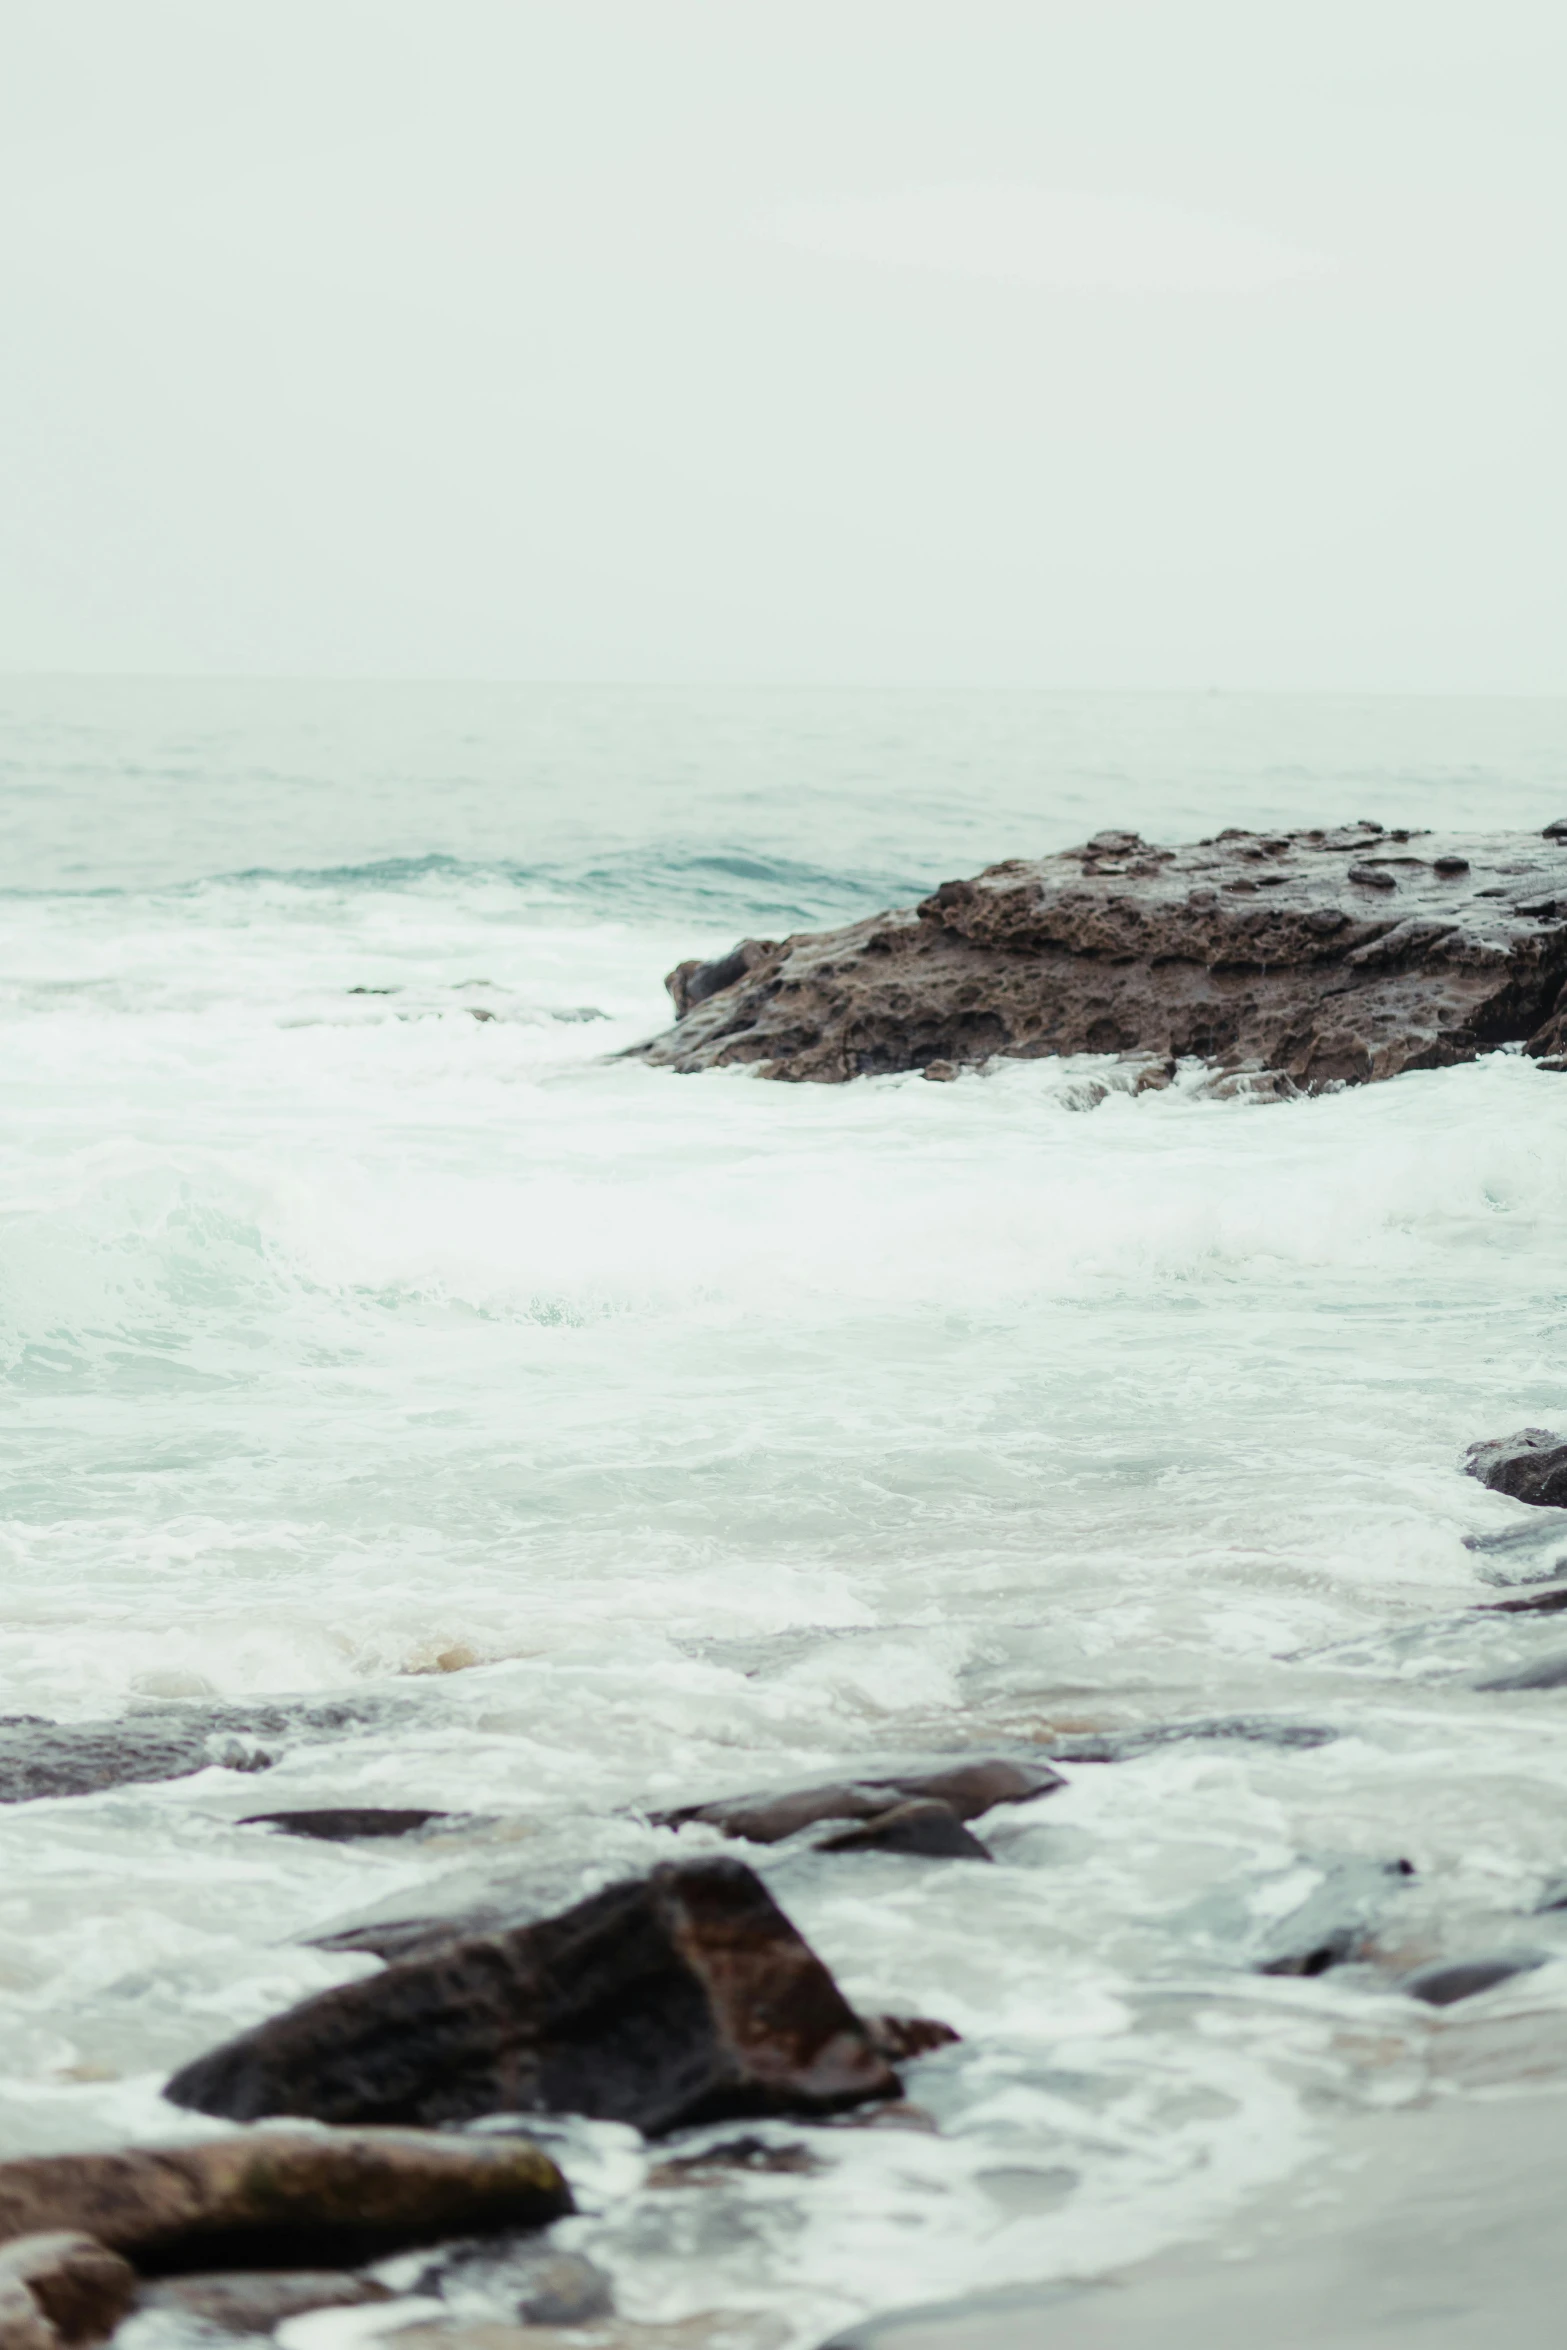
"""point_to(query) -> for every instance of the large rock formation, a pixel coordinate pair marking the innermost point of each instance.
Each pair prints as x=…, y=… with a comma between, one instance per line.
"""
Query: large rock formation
x=682, y=1997
x=1295, y=961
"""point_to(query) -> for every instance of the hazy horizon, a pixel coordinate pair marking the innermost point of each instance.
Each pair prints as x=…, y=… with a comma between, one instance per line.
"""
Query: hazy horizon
x=1034, y=345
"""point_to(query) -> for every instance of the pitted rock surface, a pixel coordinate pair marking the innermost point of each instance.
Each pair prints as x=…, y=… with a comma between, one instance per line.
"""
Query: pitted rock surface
x=1286, y=961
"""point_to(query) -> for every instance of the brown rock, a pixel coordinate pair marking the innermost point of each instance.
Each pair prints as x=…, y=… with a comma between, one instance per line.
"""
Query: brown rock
x=966, y=1788
x=268, y=2200
x=903, y=2037
x=1311, y=959
x=78, y=2288
x=686, y=1996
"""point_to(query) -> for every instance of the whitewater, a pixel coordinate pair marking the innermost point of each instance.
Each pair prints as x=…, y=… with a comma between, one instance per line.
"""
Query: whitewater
x=371, y=1327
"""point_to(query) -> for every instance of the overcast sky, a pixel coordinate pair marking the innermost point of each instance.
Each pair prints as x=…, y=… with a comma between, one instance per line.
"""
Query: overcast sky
x=1058, y=342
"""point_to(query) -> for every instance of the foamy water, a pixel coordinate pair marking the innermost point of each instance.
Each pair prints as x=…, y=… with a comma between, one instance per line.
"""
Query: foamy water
x=370, y=1326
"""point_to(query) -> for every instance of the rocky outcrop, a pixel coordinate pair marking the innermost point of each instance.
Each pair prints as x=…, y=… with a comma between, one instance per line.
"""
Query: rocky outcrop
x=966, y=1789
x=1531, y=1466
x=1285, y=961
x=288, y=2198
x=682, y=1997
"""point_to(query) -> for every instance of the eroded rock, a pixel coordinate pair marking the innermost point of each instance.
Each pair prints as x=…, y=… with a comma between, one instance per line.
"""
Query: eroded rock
x=682, y=1997
x=285, y=2198
x=1286, y=961
x=1531, y=1466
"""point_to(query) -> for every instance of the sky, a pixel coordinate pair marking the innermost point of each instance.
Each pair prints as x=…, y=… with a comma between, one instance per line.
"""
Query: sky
x=1061, y=343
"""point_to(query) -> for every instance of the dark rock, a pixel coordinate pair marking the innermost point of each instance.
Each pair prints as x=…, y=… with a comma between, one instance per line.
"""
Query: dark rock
x=1308, y=960
x=1547, y=1672
x=342, y=1827
x=685, y=1996
x=77, y=2287
x=1531, y=1466
x=1450, y=1980
x=253, y=2301
x=279, y=2200
x=966, y=1788
x=55, y=1758
x=1108, y=1746
x=923, y=1826
x=1556, y=831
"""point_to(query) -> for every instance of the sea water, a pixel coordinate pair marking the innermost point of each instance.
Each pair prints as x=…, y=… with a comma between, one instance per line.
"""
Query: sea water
x=371, y=1325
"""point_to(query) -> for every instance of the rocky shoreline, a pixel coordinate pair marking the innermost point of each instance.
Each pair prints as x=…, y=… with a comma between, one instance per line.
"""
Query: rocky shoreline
x=683, y=1997
x=1281, y=963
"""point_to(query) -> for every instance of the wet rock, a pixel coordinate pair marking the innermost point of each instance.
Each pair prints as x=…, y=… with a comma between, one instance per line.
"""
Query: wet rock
x=544, y=2287
x=75, y=2287
x=1547, y=1672
x=39, y=1758
x=966, y=1788
x=1336, y=1922
x=253, y=2301
x=923, y=1827
x=1533, y=1603
x=685, y=1996
x=343, y=1826
x=1450, y=1980
x=1294, y=961
x=286, y=2199
x=1107, y=1746
x=1531, y=1466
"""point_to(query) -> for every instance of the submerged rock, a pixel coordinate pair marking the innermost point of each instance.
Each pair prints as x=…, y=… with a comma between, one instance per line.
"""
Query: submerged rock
x=1288, y=961
x=924, y=1828
x=39, y=1758
x=284, y=2199
x=254, y=2301
x=682, y=1997
x=343, y=1826
x=965, y=1788
x=1531, y=1466
x=1450, y=1980
x=1109, y=1746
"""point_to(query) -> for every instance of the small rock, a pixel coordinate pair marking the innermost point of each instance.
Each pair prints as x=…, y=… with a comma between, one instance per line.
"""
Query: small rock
x=1531, y=1466
x=967, y=1788
x=79, y=2288
x=343, y=1826
x=1453, y=1979
x=901, y=2038
x=939, y=1072
x=253, y=2301
x=284, y=2200
x=681, y=1997
x=924, y=1826
x=1556, y=831
x=1373, y=877
x=538, y=2288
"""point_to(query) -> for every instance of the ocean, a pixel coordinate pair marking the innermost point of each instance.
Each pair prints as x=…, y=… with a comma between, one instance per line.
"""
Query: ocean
x=372, y=1327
